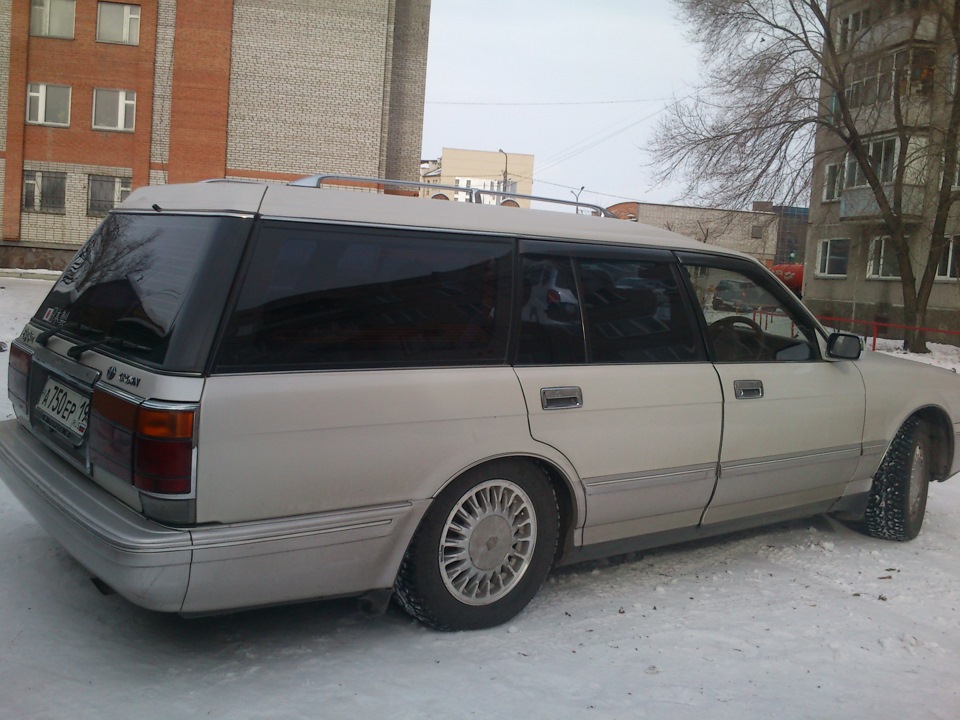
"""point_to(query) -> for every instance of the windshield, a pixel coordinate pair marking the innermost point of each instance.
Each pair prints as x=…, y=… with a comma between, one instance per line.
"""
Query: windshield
x=143, y=287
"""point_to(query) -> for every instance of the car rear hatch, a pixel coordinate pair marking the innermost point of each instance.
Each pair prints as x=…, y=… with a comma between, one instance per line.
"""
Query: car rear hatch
x=109, y=372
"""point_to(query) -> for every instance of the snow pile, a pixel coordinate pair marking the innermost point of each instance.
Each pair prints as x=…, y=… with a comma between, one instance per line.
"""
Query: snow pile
x=799, y=620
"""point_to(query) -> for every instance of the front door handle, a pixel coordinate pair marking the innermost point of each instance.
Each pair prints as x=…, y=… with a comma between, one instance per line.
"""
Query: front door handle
x=561, y=398
x=748, y=389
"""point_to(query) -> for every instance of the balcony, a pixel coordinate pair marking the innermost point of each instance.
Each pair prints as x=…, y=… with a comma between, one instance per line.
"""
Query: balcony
x=897, y=30
x=859, y=203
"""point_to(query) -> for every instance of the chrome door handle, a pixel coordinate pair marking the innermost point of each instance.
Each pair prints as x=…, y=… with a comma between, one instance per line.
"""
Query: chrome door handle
x=748, y=389
x=561, y=398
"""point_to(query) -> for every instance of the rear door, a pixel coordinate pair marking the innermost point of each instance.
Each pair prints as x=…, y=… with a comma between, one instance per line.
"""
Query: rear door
x=793, y=420
x=615, y=377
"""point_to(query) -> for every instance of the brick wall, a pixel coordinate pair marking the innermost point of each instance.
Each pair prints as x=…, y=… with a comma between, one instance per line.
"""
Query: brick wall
x=4, y=63
x=306, y=87
x=162, y=83
x=199, y=95
x=75, y=226
x=224, y=87
x=753, y=233
x=408, y=68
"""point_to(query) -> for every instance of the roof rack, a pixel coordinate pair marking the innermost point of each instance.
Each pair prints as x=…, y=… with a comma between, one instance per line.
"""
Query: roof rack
x=475, y=195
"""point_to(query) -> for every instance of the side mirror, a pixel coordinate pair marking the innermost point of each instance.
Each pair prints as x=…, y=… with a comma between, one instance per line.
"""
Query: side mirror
x=844, y=346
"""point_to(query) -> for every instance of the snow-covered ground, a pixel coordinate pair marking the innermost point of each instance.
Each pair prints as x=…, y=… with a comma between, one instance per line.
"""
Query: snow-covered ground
x=800, y=620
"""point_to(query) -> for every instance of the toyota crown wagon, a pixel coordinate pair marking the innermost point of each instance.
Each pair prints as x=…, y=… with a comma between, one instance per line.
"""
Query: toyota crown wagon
x=242, y=394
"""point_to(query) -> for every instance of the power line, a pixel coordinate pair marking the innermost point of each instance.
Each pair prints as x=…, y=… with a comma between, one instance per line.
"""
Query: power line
x=583, y=145
x=544, y=104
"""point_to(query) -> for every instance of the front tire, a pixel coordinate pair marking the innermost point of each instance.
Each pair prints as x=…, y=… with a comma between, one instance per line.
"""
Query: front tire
x=898, y=497
x=483, y=550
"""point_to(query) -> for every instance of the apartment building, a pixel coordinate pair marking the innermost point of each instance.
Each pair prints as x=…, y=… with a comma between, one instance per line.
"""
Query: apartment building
x=99, y=98
x=900, y=65
x=484, y=169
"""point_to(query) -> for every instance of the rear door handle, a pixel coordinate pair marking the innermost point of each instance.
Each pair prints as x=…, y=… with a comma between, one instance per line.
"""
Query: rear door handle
x=748, y=389
x=561, y=398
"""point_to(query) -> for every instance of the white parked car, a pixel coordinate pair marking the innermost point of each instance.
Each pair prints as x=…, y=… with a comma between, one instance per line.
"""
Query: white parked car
x=242, y=394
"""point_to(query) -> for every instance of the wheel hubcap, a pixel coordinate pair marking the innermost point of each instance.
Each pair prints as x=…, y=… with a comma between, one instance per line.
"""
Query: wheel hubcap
x=487, y=542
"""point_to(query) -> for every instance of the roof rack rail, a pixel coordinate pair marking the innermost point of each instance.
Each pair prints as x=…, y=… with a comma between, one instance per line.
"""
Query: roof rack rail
x=475, y=195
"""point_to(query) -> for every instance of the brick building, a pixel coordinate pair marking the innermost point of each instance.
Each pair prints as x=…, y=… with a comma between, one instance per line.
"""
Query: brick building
x=99, y=98
x=754, y=232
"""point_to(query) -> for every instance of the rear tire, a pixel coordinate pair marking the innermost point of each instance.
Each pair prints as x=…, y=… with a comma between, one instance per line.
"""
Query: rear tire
x=898, y=497
x=483, y=550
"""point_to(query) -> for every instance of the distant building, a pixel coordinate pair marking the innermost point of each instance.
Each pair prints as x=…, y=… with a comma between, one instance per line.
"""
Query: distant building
x=487, y=170
x=791, y=231
x=900, y=61
x=752, y=232
x=99, y=98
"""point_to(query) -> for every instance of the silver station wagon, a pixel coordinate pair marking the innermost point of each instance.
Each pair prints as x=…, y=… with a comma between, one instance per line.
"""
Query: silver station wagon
x=241, y=394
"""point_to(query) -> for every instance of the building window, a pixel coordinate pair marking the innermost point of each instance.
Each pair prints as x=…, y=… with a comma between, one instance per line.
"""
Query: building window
x=52, y=18
x=45, y=191
x=852, y=24
x=118, y=23
x=883, y=158
x=48, y=104
x=833, y=257
x=905, y=5
x=949, y=267
x=834, y=112
x=883, y=259
x=105, y=192
x=872, y=81
x=114, y=109
x=833, y=183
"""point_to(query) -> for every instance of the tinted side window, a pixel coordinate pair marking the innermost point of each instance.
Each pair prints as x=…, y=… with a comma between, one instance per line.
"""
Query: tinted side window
x=328, y=297
x=551, y=330
x=635, y=313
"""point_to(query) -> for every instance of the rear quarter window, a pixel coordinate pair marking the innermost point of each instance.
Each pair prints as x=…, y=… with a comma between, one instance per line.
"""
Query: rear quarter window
x=329, y=297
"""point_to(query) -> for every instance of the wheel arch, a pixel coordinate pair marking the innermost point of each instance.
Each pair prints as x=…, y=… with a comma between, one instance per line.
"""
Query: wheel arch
x=942, y=439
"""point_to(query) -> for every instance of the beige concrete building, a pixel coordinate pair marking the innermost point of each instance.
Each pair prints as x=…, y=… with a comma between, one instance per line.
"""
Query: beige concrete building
x=751, y=232
x=100, y=98
x=486, y=170
x=899, y=58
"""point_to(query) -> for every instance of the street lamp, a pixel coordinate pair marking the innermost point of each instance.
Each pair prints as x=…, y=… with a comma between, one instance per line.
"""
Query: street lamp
x=506, y=160
x=576, y=194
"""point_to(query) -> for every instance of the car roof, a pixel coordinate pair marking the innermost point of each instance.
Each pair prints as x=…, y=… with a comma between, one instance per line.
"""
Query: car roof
x=275, y=200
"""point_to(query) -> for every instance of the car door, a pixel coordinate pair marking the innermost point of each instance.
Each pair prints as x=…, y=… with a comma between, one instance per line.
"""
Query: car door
x=615, y=377
x=793, y=420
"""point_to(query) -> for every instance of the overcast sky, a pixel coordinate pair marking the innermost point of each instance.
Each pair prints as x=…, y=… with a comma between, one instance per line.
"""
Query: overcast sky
x=497, y=71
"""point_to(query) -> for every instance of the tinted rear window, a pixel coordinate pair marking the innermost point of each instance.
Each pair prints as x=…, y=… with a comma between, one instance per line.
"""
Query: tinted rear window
x=151, y=288
x=328, y=297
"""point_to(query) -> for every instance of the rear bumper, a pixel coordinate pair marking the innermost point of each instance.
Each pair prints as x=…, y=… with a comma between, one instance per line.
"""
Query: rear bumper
x=208, y=568
x=145, y=562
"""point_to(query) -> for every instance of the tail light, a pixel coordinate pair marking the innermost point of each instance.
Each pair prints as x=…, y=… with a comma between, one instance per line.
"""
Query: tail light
x=18, y=372
x=149, y=445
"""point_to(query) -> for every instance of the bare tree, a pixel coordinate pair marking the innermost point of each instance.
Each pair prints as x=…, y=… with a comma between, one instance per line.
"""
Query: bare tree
x=779, y=71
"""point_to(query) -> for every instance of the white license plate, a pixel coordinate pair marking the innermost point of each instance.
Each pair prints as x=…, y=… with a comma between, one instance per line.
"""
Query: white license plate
x=64, y=405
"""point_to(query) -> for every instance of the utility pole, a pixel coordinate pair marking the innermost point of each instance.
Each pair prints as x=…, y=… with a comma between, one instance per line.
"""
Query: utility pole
x=506, y=160
x=576, y=194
